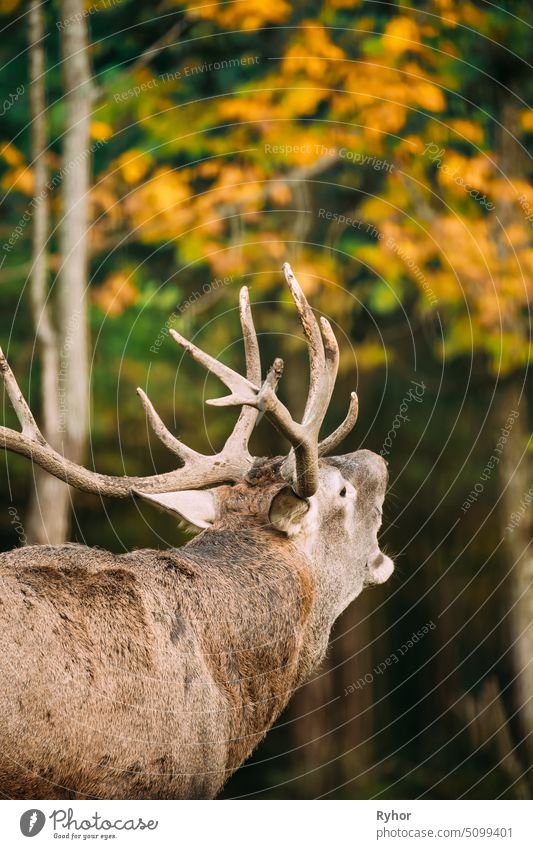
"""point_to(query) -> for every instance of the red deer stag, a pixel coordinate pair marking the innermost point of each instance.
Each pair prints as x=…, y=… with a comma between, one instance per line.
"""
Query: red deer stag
x=154, y=674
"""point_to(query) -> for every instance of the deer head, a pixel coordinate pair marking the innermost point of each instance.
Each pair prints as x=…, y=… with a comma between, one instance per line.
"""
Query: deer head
x=328, y=508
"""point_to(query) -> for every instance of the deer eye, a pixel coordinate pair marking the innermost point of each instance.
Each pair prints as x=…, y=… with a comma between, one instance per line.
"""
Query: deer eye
x=342, y=493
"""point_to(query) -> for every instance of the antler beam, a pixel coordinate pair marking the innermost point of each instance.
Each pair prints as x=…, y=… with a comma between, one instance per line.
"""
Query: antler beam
x=31, y=443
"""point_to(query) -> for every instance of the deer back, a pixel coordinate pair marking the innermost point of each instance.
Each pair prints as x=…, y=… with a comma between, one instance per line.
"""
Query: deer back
x=152, y=673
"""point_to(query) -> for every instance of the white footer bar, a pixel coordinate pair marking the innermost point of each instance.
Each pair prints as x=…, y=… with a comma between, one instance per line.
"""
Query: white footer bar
x=269, y=824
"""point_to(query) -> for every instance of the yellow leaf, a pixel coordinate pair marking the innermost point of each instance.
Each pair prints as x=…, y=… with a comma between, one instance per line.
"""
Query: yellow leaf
x=101, y=131
x=411, y=144
x=280, y=193
x=447, y=10
x=158, y=206
x=115, y=294
x=11, y=154
x=317, y=39
x=134, y=164
x=465, y=173
x=242, y=109
x=429, y=96
x=8, y=6
x=311, y=52
x=343, y=4
x=20, y=179
x=526, y=119
x=385, y=117
x=402, y=34
x=302, y=101
x=468, y=130
x=244, y=16
x=469, y=14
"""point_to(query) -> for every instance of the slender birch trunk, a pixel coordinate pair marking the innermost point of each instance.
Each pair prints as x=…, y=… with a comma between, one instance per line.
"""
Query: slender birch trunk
x=64, y=348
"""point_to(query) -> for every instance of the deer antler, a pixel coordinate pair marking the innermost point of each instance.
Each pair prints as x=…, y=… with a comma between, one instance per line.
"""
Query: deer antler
x=234, y=460
x=324, y=362
x=237, y=443
x=198, y=470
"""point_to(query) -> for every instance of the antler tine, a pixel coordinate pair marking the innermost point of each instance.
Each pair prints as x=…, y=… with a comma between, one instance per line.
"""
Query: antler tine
x=324, y=365
x=22, y=411
x=330, y=442
x=251, y=345
x=234, y=381
x=237, y=442
x=326, y=384
x=245, y=424
x=161, y=431
x=323, y=354
x=312, y=334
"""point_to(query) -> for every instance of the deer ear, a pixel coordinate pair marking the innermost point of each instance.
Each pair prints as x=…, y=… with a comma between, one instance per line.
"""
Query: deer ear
x=196, y=507
x=287, y=510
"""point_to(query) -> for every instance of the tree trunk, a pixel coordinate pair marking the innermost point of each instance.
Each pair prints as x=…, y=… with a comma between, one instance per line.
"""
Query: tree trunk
x=517, y=523
x=44, y=523
x=514, y=468
x=65, y=376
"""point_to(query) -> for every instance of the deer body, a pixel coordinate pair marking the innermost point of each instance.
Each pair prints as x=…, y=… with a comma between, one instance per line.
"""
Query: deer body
x=146, y=675
x=154, y=674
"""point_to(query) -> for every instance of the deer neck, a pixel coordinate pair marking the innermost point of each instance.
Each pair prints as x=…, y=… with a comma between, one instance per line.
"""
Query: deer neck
x=276, y=581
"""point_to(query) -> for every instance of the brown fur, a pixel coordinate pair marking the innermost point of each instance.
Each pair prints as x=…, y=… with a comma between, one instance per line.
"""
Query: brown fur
x=151, y=674
x=154, y=674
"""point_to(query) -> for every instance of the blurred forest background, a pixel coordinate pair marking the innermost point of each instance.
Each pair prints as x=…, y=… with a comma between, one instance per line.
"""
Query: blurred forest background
x=155, y=157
